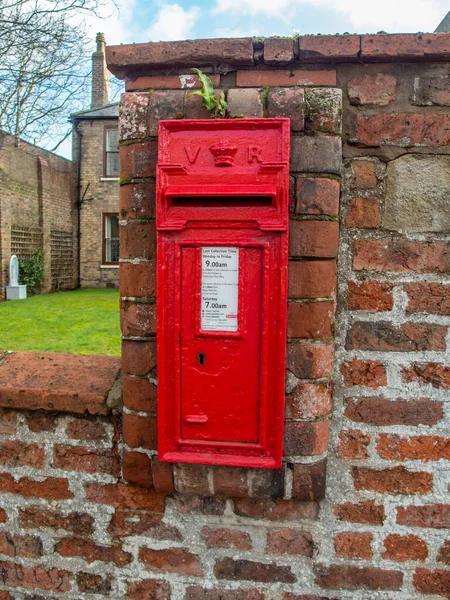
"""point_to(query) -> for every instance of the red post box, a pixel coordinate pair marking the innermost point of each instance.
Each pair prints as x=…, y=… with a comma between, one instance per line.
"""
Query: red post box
x=222, y=225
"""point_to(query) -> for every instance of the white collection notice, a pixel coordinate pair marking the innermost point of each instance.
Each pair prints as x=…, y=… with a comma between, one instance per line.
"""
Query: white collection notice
x=220, y=291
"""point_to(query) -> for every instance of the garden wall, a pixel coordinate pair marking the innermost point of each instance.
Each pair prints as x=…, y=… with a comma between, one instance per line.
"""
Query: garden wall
x=89, y=511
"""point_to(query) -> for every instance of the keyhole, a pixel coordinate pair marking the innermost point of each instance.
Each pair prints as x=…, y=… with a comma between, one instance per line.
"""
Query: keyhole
x=201, y=358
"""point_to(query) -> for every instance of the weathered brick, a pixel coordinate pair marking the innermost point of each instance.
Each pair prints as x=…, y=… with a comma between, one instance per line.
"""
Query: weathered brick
x=287, y=102
x=34, y=578
x=310, y=319
x=381, y=411
x=149, y=589
x=245, y=102
x=133, y=122
x=278, y=51
x=431, y=91
x=171, y=560
x=401, y=256
x=384, y=336
x=321, y=48
x=348, y=577
x=137, y=319
x=365, y=373
x=192, y=479
x=14, y=453
x=353, y=545
x=404, y=547
x=77, y=547
x=316, y=196
x=370, y=295
x=138, y=358
x=225, y=537
x=194, y=108
x=93, y=584
x=432, y=582
x=313, y=239
x=137, y=469
x=309, y=401
x=433, y=298
x=367, y=512
x=39, y=423
x=8, y=422
x=379, y=89
x=308, y=483
x=444, y=553
x=35, y=517
x=138, y=160
x=306, y=439
x=363, y=175
x=138, y=240
x=138, y=280
x=137, y=200
x=51, y=488
x=435, y=374
x=310, y=360
x=419, y=447
x=76, y=458
x=125, y=523
x=316, y=154
x=288, y=77
x=403, y=130
x=275, y=510
x=139, y=431
x=397, y=480
x=183, y=81
x=323, y=112
x=162, y=476
x=266, y=483
x=247, y=570
x=125, y=496
x=199, y=593
x=385, y=47
x=27, y=546
x=83, y=429
x=363, y=213
x=139, y=394
x=3, y=516
x=353, y=444
x=230, y=481
x=204, y=505
x=435, y=516
x=289, y=541
x=164, y=104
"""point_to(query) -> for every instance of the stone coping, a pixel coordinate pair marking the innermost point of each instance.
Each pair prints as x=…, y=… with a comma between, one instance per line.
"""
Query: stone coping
x=225, y=54
x=59, y=382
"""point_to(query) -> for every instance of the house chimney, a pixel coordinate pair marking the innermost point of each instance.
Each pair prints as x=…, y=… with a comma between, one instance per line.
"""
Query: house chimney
x=100, y=74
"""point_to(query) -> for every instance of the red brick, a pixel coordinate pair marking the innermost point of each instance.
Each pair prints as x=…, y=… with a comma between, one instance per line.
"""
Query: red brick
x=364, y=175
x=435, y=516
x=291, y=596
x=230, y=481
x=5, y=596
x=137, y=319
x=138, y=280
x=93, y=584
x=404, y=547
x=381, y=411
x=310, y=360
x=348, y=577
x=176, y=82
x=403, y=130
x=247, y=103
x=35, y=578
x=198, y=593
x=266, y=483
x=310, y=319
x=370, y=295
x=77, y=547
x=313, y=239
x=275, y=510
x=402, y=256
x=409, y=46
x=75, y=458
x=366, y=512
x=365, y=373
x=27, y=546
x=246, y=570
x=363, y=213
x=353, y=444
x=379, y=89
x=164, y=104
x=309, y=401
x=420, y=447
x=3, y=516
x=192, y=479
x=138, y=358
x=197, y=504
x=392, y=481
x=308, y=483
x=434, y=374
x=39, y=423
x=137, y=200
x=14, y=453
x=140, y=432
x=289, y=541
x=8, y=422
x=444, y=553
x=282, y=78
x=138, y=240
x=149, y=589
x=133, y=110
x=171, y=560
x=432, y=582
x=429, y=91
x=306, y=439
x=194, y=108
x=329, y=48
x=138, y=160
x=226, y=538
x=137, y=469
x=278, y=51
x=82, y=429
x=385, y=337
x=162, y=476
x=287, y=102
x=35, y=517
x=353, y=545
x=125, y=496
x=139, y=394
x=51, y=488
x=433, y=298
x=312, y=278
x=317, y=196
x=125, y=523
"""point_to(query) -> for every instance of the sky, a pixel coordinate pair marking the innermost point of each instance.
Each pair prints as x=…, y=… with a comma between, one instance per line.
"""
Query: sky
x=156, y=20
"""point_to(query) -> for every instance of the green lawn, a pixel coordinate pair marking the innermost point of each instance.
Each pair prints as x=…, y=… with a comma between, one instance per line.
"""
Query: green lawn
x=78, y=322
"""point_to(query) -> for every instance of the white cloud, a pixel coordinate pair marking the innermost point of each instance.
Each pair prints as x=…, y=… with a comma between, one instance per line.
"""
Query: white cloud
x=363, y=15
x=173, y=22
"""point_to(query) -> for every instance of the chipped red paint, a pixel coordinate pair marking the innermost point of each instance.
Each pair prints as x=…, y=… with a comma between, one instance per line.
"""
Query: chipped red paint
x=222, y=185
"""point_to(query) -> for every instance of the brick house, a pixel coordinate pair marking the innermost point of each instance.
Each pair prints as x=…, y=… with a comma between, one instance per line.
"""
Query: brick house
x=96, y=162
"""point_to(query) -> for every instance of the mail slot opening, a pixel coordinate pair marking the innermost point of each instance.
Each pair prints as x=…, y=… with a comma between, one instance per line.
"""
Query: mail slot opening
x=232, y=201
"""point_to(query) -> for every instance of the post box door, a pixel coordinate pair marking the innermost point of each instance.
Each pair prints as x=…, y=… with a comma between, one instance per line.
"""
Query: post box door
x=220, y=343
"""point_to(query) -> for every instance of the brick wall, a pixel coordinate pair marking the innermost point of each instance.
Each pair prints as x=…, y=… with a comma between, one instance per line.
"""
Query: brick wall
x=118, y=523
